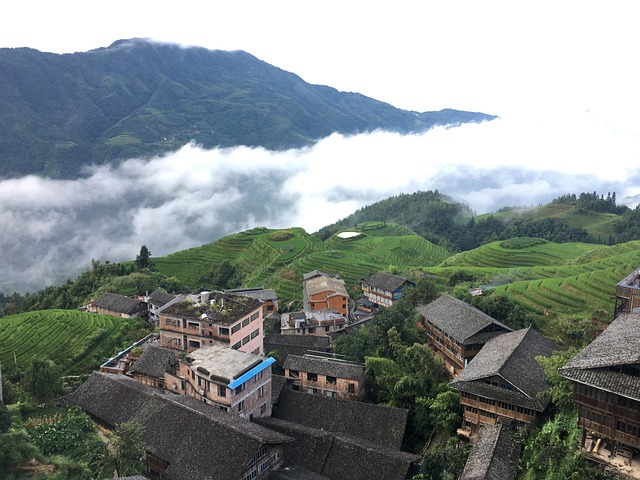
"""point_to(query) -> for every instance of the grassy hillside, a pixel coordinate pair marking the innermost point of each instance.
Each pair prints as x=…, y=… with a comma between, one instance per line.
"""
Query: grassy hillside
x=520, y=252
x=597, y=224
x=278, y=258
x=77, y=342
x=258, y=253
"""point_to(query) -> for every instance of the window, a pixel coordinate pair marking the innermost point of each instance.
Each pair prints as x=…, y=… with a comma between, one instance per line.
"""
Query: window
x=194, y=344
x=331, y=380
x=239, y=389
x=254, y=316
x=223, y=331
x=241, y=406
x=258, y=376
x=236, y=346
x=222, y=391
x=255, y=333
x=261, y=392
x=246, y=340
x=312, y=377
x=245, y=322
x=351, y=388
x=235, y=328
x=263, y=408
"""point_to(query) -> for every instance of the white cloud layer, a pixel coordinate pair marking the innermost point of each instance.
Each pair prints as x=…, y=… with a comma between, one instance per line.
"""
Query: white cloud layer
x=53, y=228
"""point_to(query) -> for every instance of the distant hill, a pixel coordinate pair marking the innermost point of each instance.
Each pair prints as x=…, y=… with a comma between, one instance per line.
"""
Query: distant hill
x=587, y=217
x=140, y=98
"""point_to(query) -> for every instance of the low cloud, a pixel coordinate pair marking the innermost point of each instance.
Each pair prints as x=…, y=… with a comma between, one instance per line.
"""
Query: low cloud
x=52, y=229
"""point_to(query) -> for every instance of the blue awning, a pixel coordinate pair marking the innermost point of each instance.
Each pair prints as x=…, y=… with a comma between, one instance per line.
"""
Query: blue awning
x=254, y=371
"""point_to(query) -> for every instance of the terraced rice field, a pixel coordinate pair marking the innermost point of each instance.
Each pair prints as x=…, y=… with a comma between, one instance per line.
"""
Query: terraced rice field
x=497, y=255
x=406, y=250
x=577, y=288
x=78, y=342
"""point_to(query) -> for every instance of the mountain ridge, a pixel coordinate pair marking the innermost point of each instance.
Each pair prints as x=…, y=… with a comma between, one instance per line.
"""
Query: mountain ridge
x=140, y=98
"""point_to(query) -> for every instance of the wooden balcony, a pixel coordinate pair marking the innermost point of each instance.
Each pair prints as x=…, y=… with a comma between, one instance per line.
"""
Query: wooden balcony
x=502, y=412
x=610, y=432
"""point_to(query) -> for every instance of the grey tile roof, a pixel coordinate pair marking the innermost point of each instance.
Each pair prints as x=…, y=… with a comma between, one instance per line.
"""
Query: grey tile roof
x=325, y=366
x=317, y=273
x=262, y=294
x=386, y=281
x=375, y=423
x=494, y=456
x=459, y=319
x=501, y=394
x=286, y=345
x=339, y=456
x=605, y=379
x=278, y=383
x=354, y=326
x=295, y=472
x=154, y=361
x=118, y=303
x=511, y=356
x=159, y=298
x=193, y=437
x=618, y=344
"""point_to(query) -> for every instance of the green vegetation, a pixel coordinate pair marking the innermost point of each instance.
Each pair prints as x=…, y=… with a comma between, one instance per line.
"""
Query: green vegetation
x=61, y=112
x=77, y=342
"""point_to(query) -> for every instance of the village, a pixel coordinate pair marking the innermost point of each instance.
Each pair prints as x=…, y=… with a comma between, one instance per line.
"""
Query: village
x=230, y=388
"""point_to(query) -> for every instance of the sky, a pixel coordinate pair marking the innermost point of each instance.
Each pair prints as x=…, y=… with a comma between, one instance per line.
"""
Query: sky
x=561, y=76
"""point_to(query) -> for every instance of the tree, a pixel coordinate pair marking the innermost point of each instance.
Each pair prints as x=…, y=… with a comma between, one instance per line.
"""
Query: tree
x=356, y=345
x=143, y=258
x=15, y=449
x=42, y=380
x=5, y=418
x=225, y=275
x=129, y=449
x=560, y=389
x=446, y=412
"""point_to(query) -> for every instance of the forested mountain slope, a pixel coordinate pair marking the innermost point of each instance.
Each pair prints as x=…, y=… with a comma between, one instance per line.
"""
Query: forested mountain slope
x=138, y=98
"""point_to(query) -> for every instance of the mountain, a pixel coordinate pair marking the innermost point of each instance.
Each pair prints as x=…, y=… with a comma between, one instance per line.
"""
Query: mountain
x=142, y=98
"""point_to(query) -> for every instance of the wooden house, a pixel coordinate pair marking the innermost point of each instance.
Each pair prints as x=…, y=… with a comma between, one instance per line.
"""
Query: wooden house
x=152, y=365
x=384, y=289
x=116, y=305
x=456, y=331
x=606, y=389
x=339, y=439
x=504, y=380
x=184, y=439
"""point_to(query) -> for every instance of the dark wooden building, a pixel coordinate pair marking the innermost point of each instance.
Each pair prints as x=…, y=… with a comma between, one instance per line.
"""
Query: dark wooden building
x=384, y=289
x=503, y=382
x=456, y=331
x=606, y=388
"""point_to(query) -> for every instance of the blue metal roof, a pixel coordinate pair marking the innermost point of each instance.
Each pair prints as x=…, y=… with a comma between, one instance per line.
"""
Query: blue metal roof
x=254, y=371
